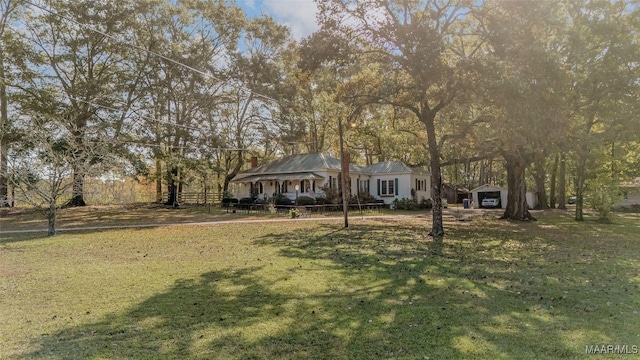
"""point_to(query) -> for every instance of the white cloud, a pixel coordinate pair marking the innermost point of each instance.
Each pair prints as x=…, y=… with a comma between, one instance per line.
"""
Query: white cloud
x=298, y=15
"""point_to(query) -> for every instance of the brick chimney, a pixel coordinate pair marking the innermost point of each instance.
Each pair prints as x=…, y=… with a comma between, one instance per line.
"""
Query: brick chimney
x=254, y=162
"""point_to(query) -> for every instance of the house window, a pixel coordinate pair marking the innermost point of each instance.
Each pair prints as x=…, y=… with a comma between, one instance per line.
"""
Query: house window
x=388, y=187
x=333, y=182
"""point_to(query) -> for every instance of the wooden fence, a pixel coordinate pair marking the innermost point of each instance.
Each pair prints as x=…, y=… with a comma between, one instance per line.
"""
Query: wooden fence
x=195, y=198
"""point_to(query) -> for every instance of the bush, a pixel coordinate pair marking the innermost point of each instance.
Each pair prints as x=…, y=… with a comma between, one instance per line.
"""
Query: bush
x=362, y=198
x=227, y=201
x=425, y=203
x=280, y=199
x=332, y=196
x=246, y=200
x=633, y=208
x=306, y=200
x=602, y=196
x=294, y=213
x=272, y=208
x=405, y=204
x=321, y=201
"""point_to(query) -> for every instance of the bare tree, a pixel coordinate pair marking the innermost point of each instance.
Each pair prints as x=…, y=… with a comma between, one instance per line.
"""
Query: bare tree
x=41, y=169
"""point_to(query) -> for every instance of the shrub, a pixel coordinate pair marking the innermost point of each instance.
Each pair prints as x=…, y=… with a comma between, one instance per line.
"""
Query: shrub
x=227, y=201
x=405, y=204
x=294, y=213
x=280, y=199
x=362, y=198
x=306, y=200
x=246, y=200
x=332, y=196
x=272, y=208
x=602, y=196
x=321, y=200
x=633, y=208
x=425, y=203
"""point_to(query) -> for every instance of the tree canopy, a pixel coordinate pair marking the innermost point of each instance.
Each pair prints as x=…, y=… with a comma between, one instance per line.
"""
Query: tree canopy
x=184, y=93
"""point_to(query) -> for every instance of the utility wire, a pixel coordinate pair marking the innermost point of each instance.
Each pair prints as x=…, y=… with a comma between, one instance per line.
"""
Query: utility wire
x=181, y=146
x=203, y=73
x=122, y=110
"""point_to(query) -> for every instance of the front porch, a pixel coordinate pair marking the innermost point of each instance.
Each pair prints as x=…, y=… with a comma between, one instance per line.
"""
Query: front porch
x=266, y=187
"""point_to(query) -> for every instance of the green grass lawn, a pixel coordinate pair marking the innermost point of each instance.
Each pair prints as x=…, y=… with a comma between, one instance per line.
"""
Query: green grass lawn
x=300, y=290
x=144, y=214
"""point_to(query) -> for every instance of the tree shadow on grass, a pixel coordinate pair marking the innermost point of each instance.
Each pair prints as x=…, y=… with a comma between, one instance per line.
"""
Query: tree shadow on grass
x=515, y=290
x=376, y=291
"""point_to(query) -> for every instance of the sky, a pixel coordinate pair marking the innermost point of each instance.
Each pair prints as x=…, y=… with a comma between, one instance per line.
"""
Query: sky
x=298, y=15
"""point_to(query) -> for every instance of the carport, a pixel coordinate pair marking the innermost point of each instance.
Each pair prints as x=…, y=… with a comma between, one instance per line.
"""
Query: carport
x=489, y=191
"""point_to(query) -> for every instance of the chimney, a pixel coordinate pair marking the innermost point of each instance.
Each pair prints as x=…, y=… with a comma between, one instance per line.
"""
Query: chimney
x=254, y=162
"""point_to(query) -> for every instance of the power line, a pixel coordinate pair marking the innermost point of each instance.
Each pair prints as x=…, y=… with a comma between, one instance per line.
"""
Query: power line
x=176, y=62
x=153, y=120
x=182, y=146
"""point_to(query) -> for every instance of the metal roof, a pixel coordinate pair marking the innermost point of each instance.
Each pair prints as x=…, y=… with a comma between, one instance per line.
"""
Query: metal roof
x=304, y=166
x=280, y=177
x=300, y=163
x=389, y=167
x=488, y=187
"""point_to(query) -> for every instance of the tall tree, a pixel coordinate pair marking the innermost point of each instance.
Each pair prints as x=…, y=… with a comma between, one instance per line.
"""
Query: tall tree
x=84, y=44
x=11, y=55
x=601, y=53
x=523, y=40
x=425, y=53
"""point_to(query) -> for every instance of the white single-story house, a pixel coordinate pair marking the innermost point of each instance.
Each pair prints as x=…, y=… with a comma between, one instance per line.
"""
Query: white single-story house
x=311, y=172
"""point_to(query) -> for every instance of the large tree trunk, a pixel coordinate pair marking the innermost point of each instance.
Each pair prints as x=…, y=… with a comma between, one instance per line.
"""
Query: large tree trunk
x=579, y=187
x=4, y=140
x=552, y=186
x=517, y=208
x=172, y=188
x=562, y=183
x=158, y=181
x=539, y=176
x=437, y=226
x=51, y=218
x=77, y=190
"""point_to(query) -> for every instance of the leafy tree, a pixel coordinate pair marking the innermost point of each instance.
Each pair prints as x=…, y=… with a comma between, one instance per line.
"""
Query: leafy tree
x=90, y=67
x=425, y=60
x=524, y=74
x=14, y=54
x=601, y=53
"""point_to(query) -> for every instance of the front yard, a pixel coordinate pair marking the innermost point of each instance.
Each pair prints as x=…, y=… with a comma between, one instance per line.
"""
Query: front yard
x=293, y=290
